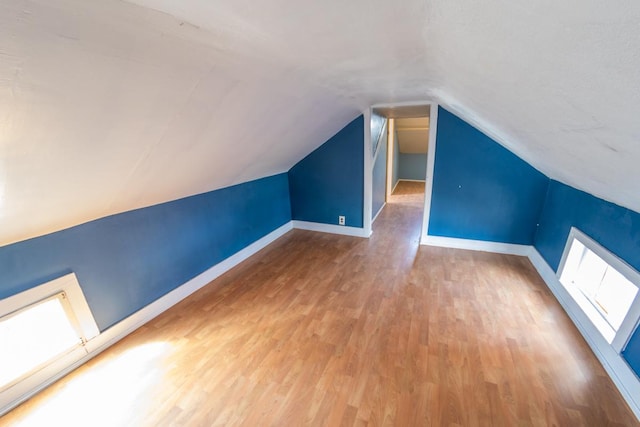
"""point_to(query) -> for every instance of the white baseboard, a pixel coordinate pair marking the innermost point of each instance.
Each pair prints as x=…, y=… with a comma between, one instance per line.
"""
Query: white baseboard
x=476, y=245
x=406, y=180
x=144, y=315
x=621, y=374
x=617, y=369
x=394, y=187
x=410, y=180
x=126, y=326
x=123, y=328
x=330, y=228
x=378, y=213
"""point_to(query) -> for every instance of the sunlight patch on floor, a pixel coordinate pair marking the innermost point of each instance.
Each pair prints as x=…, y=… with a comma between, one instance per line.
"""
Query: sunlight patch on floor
x=108, y=393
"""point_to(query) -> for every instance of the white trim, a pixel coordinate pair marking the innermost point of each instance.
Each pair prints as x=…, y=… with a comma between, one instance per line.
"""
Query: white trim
x=431, y=149
x=123, y=328
x=476, y=245
x=373, y=164
x=375, y=155
x=394, y=187
x=67, y=284
x=623, y=268
x=618, y=370
x=407, y=180
x=88, y=330
x=378, y=213
x=142, y=316
x=422, y=103
x=431, y=162
x=31, y=385
x=331, y=228
x=368, y=175
x=391, y=141
x=621, y=374
x=411, y=180
x=630, y=322
x=546, y=273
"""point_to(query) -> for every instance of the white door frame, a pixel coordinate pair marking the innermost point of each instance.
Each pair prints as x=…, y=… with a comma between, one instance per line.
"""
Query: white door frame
x=431, y=161
x=368, y=174
x=391, y=142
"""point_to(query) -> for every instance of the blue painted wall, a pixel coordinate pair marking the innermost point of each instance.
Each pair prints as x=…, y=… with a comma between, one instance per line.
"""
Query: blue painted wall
x=632, y=353
x=412, y=166
x=126, y=261
x=329, y=181
x=481, y=190
x=614, y=227
x=395, y=173
x=379, y=182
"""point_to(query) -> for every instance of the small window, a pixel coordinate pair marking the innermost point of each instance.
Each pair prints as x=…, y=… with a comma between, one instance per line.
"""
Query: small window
x=602, y=285
x=34, y=336
x=43, y=331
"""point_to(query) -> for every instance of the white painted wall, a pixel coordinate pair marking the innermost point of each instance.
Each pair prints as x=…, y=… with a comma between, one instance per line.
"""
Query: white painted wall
x=106, y=107
x=109, y=106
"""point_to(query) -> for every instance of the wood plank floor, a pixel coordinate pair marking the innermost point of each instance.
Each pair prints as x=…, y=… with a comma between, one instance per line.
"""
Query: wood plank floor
x=329, y=330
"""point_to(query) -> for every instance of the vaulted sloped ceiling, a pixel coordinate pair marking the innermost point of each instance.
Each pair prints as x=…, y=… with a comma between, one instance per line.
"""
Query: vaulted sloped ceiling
x=108, y=106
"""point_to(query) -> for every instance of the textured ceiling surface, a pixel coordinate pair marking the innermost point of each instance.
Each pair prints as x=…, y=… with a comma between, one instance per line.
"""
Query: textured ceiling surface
x=413, y=135
x=108, y=106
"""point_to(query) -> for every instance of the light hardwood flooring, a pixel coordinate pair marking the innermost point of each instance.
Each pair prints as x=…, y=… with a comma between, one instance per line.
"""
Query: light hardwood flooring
x=330, y=330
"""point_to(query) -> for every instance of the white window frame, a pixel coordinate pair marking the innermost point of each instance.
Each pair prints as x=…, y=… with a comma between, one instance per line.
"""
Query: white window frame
x=630, y=321
x=80, y=316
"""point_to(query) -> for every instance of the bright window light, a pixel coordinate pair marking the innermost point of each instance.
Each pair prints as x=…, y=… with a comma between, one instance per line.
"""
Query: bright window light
x=33, y=336
x=128, y=381
x=614, y=297
x=44, y=331
x=594, y=278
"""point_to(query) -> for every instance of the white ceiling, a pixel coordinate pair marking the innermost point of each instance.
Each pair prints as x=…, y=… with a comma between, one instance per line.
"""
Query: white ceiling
x=107, y=106
x=413, y=135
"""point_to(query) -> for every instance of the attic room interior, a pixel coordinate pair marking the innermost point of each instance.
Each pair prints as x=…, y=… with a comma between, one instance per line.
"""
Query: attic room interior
x=203, y=222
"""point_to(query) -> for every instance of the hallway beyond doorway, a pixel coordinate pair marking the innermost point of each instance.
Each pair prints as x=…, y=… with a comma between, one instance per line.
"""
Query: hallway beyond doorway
x=409, y=193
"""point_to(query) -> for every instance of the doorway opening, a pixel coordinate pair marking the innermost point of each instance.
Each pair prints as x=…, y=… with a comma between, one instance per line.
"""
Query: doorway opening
x=399, y=142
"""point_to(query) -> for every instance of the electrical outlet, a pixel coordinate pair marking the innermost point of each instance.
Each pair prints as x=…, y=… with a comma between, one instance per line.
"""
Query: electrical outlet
x=341, y=219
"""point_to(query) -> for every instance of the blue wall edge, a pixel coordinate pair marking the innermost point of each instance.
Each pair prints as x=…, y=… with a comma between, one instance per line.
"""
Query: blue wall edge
x=126, y=261
x=614, y=227
x=483, y=192
x=329, y=181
